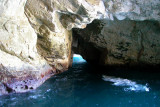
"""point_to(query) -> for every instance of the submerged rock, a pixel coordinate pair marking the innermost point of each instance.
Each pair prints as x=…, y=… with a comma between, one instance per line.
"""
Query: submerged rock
x=36, y=36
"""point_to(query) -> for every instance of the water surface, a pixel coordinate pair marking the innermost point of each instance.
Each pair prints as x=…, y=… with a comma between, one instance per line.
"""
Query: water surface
x=83, y=85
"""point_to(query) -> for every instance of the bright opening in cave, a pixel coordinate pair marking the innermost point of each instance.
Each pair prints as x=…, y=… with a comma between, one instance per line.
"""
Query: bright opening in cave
x=78, y=59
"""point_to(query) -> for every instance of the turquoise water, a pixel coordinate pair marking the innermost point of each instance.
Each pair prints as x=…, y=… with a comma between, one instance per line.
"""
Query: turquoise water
x=86, y=85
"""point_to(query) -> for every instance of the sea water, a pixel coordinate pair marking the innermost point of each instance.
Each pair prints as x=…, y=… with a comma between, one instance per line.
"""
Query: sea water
x=87, y=85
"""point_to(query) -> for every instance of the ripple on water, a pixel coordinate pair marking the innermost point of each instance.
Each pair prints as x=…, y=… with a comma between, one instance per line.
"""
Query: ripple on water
x=81, y=86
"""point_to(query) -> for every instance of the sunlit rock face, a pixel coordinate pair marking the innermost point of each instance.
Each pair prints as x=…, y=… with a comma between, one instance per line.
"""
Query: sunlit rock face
x=53, y=20
x=36, y=36
x=19, y=58
x=133, y=9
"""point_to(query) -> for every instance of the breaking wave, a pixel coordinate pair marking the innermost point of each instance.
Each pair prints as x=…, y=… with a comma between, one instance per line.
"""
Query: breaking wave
x=128, y=84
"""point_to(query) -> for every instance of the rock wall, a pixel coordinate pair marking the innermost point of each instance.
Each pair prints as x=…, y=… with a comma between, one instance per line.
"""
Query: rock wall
x=36, y=36
x=19, y=58
x=36, y=39
x=120, y=42
x=128, y=35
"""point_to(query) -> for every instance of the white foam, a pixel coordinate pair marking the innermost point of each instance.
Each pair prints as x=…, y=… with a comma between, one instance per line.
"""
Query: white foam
x=131, y=85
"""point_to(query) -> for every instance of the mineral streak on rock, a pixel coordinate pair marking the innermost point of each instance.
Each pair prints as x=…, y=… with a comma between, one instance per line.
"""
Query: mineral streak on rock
x=23, y=81
x=36, y=36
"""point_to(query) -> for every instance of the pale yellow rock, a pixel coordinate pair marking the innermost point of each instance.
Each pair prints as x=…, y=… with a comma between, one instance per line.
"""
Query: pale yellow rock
x=18, y=39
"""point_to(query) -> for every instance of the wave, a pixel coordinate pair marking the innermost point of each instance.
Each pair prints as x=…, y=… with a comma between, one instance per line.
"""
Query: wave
x=128, y=84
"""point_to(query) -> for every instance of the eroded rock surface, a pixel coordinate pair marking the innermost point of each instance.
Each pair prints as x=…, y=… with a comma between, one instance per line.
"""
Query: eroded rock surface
x=120, y=42
x=133, y=9
x=19, y=57
x=36, y=36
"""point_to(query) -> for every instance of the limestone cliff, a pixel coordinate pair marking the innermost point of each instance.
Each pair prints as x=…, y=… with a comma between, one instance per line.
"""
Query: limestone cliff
x=36, y=39
x=36, y=36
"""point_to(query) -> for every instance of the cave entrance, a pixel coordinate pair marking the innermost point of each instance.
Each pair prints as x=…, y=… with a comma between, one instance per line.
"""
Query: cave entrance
x=77, y=58
x=81, y=46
